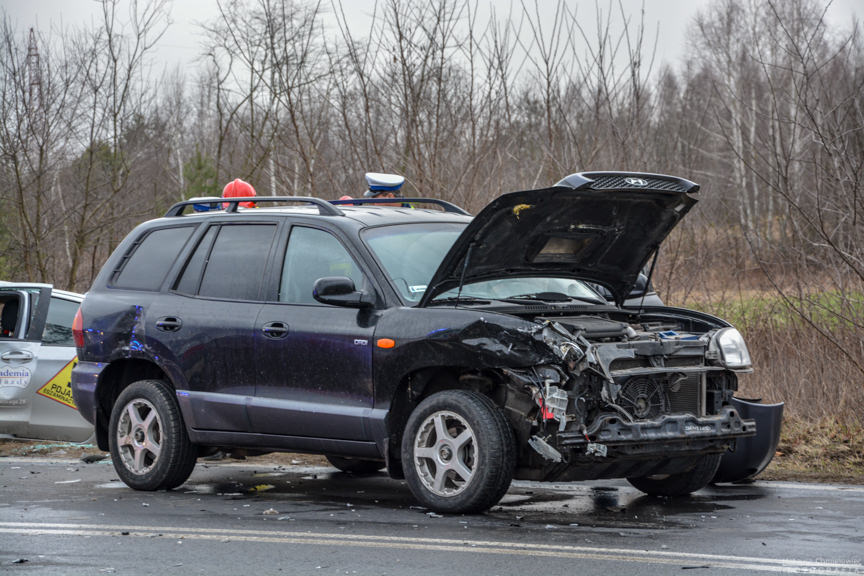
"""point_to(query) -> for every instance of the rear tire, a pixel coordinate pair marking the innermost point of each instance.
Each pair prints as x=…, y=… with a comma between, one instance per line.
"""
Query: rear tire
x=458, y=452
x=355, y=466
x=149, y=445
x=683, y=483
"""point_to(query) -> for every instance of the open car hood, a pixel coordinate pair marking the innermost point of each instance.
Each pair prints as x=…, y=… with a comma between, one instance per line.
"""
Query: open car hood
x=595, y=226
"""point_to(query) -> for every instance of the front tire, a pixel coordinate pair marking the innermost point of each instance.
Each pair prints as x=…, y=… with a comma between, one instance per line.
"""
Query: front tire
x=458, y=452
x=681, y=484
x=149, y=445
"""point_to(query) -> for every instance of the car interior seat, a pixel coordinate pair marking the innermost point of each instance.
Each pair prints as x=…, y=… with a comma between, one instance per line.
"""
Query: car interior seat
x=9, y=318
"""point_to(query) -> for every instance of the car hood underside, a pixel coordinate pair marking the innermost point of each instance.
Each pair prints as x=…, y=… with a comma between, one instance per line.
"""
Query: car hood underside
x=596, y=227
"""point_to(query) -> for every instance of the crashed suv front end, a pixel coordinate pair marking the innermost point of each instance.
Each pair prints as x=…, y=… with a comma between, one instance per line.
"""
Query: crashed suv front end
x=627, y=399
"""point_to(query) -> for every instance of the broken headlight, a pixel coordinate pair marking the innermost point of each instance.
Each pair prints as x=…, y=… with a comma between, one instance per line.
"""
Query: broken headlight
x=728, y=347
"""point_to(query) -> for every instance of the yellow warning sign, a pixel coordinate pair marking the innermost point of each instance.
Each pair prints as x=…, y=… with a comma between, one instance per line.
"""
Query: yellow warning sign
x=59, y=387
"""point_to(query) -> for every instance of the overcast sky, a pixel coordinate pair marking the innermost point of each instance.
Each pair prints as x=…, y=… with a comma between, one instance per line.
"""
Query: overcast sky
x=181, y=43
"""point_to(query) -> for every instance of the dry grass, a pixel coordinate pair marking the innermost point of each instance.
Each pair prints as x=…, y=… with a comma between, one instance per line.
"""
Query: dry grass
x=820, y=451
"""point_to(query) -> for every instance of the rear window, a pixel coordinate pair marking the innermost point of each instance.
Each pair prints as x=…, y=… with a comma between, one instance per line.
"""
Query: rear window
x=150, y=259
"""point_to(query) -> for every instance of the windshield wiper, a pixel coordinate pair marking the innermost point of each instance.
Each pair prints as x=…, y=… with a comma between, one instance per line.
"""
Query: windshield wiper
x=553, y=297
x=458, y=299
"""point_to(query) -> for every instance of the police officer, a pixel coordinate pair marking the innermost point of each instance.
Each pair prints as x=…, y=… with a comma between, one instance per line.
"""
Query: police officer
x=383, y=185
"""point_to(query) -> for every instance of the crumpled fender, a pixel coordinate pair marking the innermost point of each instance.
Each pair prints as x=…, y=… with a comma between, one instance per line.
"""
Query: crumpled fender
x=752, y=455
x=474, y=340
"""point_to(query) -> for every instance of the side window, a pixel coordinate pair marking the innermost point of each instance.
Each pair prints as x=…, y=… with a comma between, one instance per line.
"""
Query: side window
x=237, y=262
x=145, y=268
x=58, y=324
x=313, y=254
x=191, y=275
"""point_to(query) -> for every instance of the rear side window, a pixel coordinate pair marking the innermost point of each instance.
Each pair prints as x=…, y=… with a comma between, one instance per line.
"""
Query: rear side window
x=191, y=276
x=149, y=261
x=237, y=262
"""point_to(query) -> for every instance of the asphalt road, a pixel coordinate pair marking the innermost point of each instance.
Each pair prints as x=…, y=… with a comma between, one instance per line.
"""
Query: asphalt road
x=67, y=517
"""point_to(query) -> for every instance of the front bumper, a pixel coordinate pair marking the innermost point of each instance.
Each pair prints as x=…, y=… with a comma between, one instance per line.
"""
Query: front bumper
x=609, y=435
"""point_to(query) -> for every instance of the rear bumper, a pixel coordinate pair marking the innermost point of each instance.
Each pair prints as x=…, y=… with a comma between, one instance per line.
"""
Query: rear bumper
x=85, y=377
x=666, y=435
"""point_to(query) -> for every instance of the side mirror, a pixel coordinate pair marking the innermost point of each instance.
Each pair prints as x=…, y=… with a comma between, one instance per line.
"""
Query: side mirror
x=340, y=291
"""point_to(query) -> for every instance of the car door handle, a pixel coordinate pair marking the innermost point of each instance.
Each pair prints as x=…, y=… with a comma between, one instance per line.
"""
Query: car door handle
x=275, y=329
x=16, y=356
x=169, y=324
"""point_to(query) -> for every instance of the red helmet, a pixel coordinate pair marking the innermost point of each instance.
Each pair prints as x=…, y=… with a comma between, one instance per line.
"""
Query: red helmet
x=239, y=189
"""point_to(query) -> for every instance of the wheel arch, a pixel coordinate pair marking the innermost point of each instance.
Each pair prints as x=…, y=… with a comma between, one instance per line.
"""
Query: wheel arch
x=418, y=385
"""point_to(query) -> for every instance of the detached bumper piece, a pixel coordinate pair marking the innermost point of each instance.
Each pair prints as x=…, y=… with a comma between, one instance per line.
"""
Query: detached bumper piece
x=752, y=455
x=662, y=435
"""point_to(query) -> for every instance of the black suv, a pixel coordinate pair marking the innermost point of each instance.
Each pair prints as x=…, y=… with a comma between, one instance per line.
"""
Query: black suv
x=458, y=352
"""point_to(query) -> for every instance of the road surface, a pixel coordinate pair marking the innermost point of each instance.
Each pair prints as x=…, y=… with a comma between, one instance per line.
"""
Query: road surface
x=68, y=517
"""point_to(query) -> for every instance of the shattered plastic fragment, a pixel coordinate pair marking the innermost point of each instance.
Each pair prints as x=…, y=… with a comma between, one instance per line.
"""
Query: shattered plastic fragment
x=544, y=449
x=555, y=401
x=596, y=449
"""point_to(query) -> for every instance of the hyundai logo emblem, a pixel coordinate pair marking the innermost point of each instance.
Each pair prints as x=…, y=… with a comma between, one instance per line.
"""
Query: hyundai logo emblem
x=636, y=181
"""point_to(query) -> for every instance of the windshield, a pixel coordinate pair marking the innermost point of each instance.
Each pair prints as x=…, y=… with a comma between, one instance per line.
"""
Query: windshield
x=532, y=287
x=411, y=253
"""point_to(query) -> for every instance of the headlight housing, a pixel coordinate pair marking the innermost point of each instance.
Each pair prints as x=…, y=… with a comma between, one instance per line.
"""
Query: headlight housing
x=729, y=349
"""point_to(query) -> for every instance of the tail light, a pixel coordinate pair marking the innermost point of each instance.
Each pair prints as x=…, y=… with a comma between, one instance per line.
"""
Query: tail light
x=78, y=329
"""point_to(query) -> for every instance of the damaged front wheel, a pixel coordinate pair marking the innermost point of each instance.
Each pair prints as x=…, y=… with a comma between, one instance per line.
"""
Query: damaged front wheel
x=458, y=452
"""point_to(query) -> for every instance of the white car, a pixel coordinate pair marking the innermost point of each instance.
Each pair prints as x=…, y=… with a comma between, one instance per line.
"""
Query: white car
x=37, y=354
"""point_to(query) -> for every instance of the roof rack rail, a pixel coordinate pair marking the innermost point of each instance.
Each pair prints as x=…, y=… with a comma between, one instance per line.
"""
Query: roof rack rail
x=213, y=203
x=448, y=207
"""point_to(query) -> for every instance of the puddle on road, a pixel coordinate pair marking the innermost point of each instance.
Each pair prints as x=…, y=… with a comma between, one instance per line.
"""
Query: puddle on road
x=608, y=507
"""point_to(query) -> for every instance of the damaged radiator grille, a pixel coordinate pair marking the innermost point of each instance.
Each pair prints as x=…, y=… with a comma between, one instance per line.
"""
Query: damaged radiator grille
x=649, y=396
x=690, y=396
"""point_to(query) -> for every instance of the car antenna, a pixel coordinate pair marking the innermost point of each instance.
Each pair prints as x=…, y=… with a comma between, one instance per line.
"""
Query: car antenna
x=464, y=268
x=648, y=280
